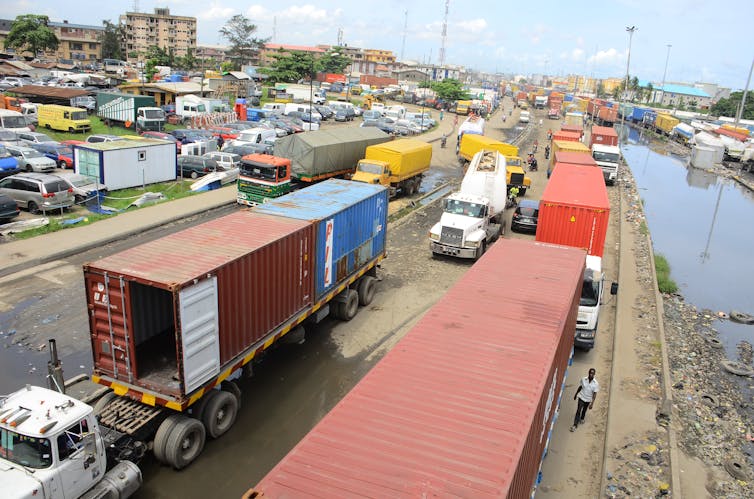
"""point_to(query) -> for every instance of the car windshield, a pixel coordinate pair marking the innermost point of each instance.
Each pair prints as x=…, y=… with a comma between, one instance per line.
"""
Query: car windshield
x=64, y=151
x=258, y=170
x=527, y=212
x=31, y=452
x=78, y=115
x=33, y=154
x=155, y=114
x=467, y=208
x=80, y=181
x=589, y=290
x=14, y=122
x=370, y=168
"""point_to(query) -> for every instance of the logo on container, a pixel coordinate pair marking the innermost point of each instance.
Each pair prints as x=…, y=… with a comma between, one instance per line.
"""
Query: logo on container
x=329, y=225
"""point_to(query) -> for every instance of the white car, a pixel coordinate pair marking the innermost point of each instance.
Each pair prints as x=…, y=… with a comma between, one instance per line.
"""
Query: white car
x=226, y=159
x=83, y=187
x=31, y=160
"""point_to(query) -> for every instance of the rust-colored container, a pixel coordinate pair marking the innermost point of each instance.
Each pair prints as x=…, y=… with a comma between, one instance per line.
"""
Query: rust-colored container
x=573, y=128
x=464, y=404
x=169, y=315
x=734, y=134
x=574, y=209
x=607, y=114
x=566, y=136
x=605, y=135
x=574, y=159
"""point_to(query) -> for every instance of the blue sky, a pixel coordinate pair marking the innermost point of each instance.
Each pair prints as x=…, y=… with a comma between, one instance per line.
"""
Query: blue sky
x=710, y=39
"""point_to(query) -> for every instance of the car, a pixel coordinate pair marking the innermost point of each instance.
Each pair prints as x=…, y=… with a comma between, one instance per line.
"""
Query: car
x=525, y=216
x=72, y=142
x=407, y=127
x=191, y=135
x=8, y=163
x=371, y=114
x=196, y=166
x=8, y=208
x=240, y=126
x=61, y=154
x=306, y=116
x=162, y=136
x=246, y=149
x=387, y=125
x=83, y=187
x=343, y=113
x=224, y=132
x=34, y=137
x=103, y=137
x=31, y=160
x=9, y=137
x=38, y=191
x=325, y=111
x=224, y=158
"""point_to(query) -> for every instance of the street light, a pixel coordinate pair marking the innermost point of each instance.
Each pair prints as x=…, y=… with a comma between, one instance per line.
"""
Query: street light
x=630, y=31
x=664, y=74
x=311, y=93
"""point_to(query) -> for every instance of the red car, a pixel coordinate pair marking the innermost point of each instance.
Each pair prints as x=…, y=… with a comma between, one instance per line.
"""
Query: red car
x=163, y=136
x=71, y=143
x=224, y=132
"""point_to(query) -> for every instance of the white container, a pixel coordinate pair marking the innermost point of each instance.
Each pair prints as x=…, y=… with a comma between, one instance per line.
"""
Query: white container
x=702, y=157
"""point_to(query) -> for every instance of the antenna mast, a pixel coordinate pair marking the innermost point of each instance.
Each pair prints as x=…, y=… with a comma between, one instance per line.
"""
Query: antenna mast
x=444, y=33
x=405, y=29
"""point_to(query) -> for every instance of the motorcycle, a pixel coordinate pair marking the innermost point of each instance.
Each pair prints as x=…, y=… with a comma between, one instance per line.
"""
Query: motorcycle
x=443, y=141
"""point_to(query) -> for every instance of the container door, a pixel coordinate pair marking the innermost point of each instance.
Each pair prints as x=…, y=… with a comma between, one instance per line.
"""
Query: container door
x=200, y=328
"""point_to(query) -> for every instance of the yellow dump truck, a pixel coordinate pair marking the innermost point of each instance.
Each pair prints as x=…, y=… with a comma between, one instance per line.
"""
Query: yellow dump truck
x=472, y=144
x=398, y=165
x=665, y=122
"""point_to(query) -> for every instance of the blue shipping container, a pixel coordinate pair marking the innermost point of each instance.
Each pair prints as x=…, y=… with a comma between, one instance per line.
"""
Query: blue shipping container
x=638, y=115
x=350, y=220
x=568, y=98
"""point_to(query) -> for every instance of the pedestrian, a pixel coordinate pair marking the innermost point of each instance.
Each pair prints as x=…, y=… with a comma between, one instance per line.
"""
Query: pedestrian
x=443, y=140
x=540, y=122
x=442, y=114
x=220, y=141
x=455, y=121
x=547, y=151
x=549, y=134
x=503, y=117
x=536, y=145
x=586, y=393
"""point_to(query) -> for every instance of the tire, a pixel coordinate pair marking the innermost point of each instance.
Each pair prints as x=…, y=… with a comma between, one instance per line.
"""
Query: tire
x=482, y=249
x=220, y=413
x=350, y=306
x=32, y=207
x=522, y=191
x=232, y=387
x=741, y=317
x=61, y=164
x=103, y=402
x=47, y=126
x=366, y=290
x=29, y=168
x=194, y=175
x=161, y=437
x=70, y=130
x=184, y=443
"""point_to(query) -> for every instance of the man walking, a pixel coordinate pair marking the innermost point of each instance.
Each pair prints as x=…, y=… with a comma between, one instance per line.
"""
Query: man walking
x=585, y=394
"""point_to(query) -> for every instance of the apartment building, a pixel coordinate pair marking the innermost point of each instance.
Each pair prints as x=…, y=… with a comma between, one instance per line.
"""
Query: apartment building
x=143, y=30
x=79, y=43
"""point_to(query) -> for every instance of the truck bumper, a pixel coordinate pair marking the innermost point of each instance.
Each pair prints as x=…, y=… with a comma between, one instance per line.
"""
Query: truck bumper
x=584, y=339
x=610, y=176
x=443, y=249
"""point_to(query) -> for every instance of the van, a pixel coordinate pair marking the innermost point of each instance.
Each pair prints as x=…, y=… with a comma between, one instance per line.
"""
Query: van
x=397, y=112
x=38, y=191
x=524, y=117
x=63, y=118
x=274, y=107
x=255, y=136
x=13, y=121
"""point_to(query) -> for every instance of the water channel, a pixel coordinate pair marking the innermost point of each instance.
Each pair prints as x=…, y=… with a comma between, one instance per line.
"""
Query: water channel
x=700, y=222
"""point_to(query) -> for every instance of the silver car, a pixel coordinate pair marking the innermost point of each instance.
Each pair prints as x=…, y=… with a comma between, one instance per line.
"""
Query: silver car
x=83, y=187
x=31, y=160
x=38, y=191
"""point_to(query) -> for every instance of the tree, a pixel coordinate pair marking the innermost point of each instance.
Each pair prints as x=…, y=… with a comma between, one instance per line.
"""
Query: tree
x=188, y=61
x=635, y=89
x=291, y=66
x=650, y=90
x=244, y=47
x=449, y=89
x=112, y=38
x=333, y=61
x=601, y=91
x=30, y=32
x=729, y=106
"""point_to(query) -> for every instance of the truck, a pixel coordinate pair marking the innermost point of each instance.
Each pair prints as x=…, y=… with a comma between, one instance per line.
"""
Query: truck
x=292, y=92
x=540, y=101
x=471, y=125
x=191, y=106
x=516, y=325
x=312, y=157
x=472, y=218
x=462, y=107
x=398, y=165
x=664, y=123
x=137, y=112
x=515, y=174
x=606, y=152
x=63, y=118
x=566, y=145
x=524, y=117
x=574, y=211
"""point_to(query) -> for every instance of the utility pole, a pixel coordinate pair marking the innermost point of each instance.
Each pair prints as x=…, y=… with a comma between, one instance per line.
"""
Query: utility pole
x=630, y=31
x=405, y=30
x=664, y=74
x=444, y=34
x=743, y=98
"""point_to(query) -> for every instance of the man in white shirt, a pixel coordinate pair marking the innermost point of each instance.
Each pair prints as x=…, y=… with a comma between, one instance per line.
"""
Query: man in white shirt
x=585, y=394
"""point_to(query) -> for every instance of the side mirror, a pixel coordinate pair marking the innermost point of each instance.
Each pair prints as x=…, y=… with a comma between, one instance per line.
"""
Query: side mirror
x=614, y=288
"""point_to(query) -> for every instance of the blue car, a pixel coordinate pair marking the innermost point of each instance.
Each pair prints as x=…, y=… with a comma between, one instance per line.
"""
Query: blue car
x=8, y=164
x=61, y=154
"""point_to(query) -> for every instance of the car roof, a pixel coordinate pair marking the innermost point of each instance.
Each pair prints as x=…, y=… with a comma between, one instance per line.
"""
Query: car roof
x=20, y=148
x=37, y=176
x=529, y=203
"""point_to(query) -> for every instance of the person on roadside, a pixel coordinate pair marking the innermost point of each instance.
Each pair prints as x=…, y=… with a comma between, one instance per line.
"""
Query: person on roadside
x=442, y=114
x=547, y=151
x=536, y=145
x=512, y=195
x=585, y=394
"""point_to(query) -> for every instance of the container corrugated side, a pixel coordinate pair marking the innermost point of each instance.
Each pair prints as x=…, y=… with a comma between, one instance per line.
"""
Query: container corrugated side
x=351, y=222
x=263, y=269
x=566, y=136
x=445, y=412
x=603, y=135
x=574, y=209
x=574, y=158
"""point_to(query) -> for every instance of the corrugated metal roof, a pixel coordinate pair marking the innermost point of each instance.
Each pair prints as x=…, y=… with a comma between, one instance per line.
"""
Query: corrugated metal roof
x=123, y=144
x=43, y=91
x=194, y=252
x=683, y=90
x=447, y=412
x=577, y=186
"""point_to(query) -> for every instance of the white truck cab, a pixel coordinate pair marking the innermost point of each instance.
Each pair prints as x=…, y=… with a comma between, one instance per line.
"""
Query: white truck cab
x=589, y=305
x=608, y=159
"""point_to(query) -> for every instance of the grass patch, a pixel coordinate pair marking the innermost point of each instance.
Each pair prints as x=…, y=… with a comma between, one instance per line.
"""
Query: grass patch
x=664, y=283
x=643, y=228
x=98, y=127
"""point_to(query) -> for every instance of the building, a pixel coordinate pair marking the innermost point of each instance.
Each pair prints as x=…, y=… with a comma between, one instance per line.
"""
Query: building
x=385, y=57
x=679, y=95
x=143, y=30
x=211, y=56
x=79, y=43
x=266, y=53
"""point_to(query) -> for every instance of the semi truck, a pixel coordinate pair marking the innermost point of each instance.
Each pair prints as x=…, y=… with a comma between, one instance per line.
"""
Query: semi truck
x=472, y=218
x=312, y=157
x=137, y=112
x=515, y=175
x=575, y=211
x=423, y=424
x=540, y=101
x=398, y=165
x=169, y=337
x=566, y=145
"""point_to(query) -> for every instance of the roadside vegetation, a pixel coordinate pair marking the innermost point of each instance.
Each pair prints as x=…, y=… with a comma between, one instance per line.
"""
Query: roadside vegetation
x=664, y=283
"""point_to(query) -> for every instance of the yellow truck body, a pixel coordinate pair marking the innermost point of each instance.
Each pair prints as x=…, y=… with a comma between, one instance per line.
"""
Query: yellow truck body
x=463, y=106
x=567, y=145
x=739, y=129
x=666, y=122
x=472, y=144
x=397, y=165
x=63, y=118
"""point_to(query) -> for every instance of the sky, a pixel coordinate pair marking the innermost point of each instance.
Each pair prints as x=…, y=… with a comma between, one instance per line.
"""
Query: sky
x=710, y=40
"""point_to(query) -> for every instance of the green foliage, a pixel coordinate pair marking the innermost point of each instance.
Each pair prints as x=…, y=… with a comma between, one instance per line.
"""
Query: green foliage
x=449, y=89
x=662, y=268
x=289, y=67
x=111, y=39
x=601, y=94
x=729, y=106
x=239, y=32
x=333, y=61
x=188, y=61
x=226, y=66
x=30, y=32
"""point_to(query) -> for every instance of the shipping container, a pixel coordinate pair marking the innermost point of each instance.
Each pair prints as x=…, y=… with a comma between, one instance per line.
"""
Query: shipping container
x=574, y=209
x=604, y=135
x=473, y=143
x=566, y=145
x=445, y=413
x=741, y=131
x=574, y=158
x=350, y=219
x=665, y=123
x=566, y=136
x=733, y=134
x=574, y=118
x=637, y=116
x=607, y=116
x=574, y=128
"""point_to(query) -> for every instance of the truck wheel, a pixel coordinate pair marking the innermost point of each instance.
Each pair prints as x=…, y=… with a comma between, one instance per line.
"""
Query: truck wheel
x=350, y=306
x=220, y=413
x=103, y=402
x=161, y=437
x=185, y=442
x=232, y=387
x=522, y=191
x=366, y=290
x=481, y=250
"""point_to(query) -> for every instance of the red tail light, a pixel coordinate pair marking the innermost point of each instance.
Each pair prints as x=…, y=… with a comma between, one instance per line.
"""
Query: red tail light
x=70, y=190
x=48, y=195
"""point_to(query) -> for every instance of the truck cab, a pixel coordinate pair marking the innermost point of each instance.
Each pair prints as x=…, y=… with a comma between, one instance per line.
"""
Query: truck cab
x=608, y=159
x=589, y=304
x=263, y=177
x=150, y=118
x=465, y=228
x=372, y=171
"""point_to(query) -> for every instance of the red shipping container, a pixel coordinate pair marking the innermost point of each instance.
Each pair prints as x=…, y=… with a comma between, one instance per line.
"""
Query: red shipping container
x=377, y=81
x=170, y=314
x=732, y=134
x=608, y=114
x=463, y=405
x=605, y=135
x=573, y=128
x=567, y=136
x=574, y=159
x=574, y=209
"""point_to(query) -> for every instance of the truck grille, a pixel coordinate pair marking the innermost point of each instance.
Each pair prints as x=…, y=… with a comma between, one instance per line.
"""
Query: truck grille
x=452, y=236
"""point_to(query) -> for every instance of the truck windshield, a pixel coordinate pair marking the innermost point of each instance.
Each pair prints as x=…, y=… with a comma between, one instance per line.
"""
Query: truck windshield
x=607, y=157
x=78, y=115
x=154, y=114
x=258, y=171
x=466, y=208
x=590, y=292
x=13, y=122
x=370, y=168
x=31, y=452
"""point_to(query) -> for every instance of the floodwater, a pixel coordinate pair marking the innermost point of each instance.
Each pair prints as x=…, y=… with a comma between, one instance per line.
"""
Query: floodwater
x=701, y=223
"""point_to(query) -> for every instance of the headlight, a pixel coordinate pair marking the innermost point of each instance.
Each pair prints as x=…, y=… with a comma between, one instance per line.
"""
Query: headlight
x=474, y=244
x=434, y=237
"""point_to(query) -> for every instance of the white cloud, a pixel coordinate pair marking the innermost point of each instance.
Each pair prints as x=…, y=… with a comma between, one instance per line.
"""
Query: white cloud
x=577, y=55
x=472, y=26
x=607, y=57
x=215, y=12
x=257, y=13
x=304, y=14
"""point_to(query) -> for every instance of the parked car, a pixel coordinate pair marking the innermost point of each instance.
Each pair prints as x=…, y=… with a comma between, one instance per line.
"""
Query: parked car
x=239, y=126
x=190, y=135
x=72, y=142
x=525, y=216
x=265, y=147
x=8, y=208
x=83, y=187
x=31, y=160
x=61, y=154
x=103, y=137
x=9, y=137
x=8, y=163
x=371, y=114
x=38, y=191
x=326, y=112
x=34, y=137
x=195, y=166
x=306, y=116
x=407, y=127
x=224, y=158
x=387, y=125
x=225, y=132
x=163, y=136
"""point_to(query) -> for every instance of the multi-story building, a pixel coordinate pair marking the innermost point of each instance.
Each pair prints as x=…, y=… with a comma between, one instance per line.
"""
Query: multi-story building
x=385, y=57
x=143, y=30
x=79, y=43
x=270, y=49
